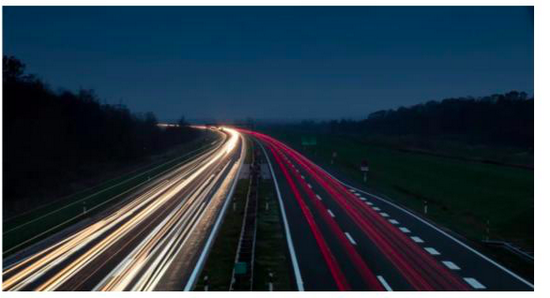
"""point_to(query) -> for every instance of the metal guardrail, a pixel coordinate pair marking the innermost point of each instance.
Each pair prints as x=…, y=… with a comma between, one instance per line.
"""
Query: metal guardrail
x=512, y=248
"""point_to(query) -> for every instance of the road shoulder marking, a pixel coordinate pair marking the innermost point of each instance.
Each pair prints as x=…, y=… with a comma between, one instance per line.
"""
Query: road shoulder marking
x=451, y=265
x=432, y=251
x=404, y=230
x=474, y=283
x=350, y=238
x=417, y=239
x=384, y=283
x=393, y=221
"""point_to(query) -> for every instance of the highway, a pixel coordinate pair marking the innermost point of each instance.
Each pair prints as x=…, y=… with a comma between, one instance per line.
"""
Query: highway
x=343, y=238
x=150, y=240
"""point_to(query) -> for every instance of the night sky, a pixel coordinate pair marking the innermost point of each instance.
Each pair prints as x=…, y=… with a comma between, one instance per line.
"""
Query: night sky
x=275, y=62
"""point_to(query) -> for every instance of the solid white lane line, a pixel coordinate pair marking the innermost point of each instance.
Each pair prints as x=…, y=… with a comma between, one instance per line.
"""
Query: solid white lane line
x=474, y=283
x=384, y=214
x=417, y=239
x=330, y=212
x=404, y=230
x=309, y=185
x=451, y=265
x=318, y=197
x=350, y=239
x=432, y=251
x=376, y=208
x=393, y=221
x=294, y=259
x=384, y=283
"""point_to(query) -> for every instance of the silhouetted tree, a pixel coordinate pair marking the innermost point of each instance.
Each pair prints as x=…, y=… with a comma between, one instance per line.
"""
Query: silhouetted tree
x=52, y=139
x=500, y=119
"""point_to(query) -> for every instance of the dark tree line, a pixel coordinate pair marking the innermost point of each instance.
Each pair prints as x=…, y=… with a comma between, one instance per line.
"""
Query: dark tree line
x=51, y=138
x=500, y=119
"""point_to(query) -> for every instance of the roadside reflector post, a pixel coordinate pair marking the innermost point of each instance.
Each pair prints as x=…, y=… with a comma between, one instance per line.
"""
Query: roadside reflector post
x=270, y=284
x=334, y=155
x=206, y=283
x=84, y=207
x=425, y=207
x=364, y=169
x=266, y=206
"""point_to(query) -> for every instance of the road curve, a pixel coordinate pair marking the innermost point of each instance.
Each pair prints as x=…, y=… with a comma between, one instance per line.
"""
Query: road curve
x=347, y=239
x=136, y=244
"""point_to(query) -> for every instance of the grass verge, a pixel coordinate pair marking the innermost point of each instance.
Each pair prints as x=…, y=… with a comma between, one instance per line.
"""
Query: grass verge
x=271, y=250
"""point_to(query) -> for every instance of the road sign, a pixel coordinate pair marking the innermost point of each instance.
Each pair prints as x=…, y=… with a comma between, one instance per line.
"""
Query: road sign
x=309, y=141
x=364, y=166
x=240, y=268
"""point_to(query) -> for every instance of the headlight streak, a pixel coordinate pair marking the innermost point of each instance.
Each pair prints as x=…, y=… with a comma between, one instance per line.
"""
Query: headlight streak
x=168, y=230
x=121, y=223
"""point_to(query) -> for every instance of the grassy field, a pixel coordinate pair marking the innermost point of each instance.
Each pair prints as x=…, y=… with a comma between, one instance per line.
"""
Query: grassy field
x=461, y=195
x=43, y=221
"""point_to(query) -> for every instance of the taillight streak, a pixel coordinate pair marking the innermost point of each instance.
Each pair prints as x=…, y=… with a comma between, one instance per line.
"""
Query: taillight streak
x=333, y=266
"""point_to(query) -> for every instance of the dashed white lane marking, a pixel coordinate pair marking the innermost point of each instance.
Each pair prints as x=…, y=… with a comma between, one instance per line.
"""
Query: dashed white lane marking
x=376, y=208
x=318, y=197
x=369, y=203
x=404, y=230
x=350, y=239
x=302, y=176
x=308, y=185
x=417, y=239
x=293, y=166
x=439, y=231
x=330, y=212
x=451, y=265
x=474, y=283
x=393, y=221
x=384, y=283
x=362, y=199
x=384, y=214
x=432, y=251
x=352, y=190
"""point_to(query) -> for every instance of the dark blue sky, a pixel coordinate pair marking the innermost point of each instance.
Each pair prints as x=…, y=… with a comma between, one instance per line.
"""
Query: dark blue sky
x=275, y=62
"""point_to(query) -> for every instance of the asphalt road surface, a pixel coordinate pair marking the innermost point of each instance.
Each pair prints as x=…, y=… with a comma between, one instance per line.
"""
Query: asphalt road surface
x=343, y=238
x=151, y=240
